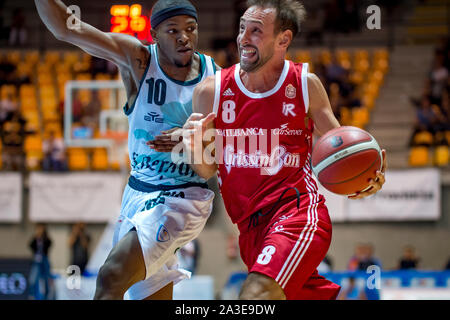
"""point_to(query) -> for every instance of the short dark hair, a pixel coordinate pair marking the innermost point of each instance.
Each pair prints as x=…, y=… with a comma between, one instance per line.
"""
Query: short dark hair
x=290, y=13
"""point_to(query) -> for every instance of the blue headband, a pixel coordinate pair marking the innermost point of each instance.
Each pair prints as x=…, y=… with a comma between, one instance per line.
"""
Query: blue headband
x=167, y=13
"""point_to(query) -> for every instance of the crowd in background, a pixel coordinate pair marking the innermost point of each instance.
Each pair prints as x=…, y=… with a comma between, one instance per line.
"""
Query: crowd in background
x=433, y=106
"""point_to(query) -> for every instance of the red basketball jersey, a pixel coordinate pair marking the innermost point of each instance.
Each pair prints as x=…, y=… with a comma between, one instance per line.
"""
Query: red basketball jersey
x=263, y=140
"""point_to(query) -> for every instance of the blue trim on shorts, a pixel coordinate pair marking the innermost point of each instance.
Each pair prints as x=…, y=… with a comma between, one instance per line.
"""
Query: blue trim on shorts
x=148, y=187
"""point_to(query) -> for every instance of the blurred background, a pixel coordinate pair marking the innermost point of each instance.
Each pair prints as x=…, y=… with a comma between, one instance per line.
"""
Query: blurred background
x=63, y=156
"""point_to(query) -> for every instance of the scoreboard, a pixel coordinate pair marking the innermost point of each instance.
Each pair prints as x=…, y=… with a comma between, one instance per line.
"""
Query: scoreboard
x=130, y=20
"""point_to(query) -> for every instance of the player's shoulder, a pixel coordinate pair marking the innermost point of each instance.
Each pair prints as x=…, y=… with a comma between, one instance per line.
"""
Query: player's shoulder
x=206, y=87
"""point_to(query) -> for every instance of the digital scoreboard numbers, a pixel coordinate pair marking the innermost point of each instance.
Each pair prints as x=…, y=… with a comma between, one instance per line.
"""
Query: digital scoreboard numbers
x=129, y=20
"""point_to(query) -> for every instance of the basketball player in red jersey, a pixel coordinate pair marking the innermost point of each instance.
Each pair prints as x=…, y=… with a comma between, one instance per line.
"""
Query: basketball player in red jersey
x=285, y=229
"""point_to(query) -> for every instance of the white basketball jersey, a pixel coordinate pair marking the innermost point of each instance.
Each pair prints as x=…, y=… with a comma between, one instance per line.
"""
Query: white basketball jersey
x=161, y=104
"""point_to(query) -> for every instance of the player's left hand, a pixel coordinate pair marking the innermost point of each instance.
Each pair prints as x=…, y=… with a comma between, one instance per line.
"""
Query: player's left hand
x=375, y=184
x=167, y=140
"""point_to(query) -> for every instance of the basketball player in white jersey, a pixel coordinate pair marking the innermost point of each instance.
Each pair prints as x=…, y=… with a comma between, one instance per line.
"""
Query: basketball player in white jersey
x=165, y=204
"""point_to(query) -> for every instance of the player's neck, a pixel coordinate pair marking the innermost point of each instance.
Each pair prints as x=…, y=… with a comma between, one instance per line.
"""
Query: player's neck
x=265, y=78
x=180, y=73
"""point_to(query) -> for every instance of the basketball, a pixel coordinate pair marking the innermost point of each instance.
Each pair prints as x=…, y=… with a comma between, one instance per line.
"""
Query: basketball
x=345, y=159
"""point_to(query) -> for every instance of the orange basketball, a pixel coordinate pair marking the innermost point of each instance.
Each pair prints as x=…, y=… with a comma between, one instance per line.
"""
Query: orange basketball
x=345, y=159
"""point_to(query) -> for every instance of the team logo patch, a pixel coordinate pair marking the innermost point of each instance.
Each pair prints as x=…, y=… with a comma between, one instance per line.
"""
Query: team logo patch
x=337, y=141
x=291, y=92
x=162, y=235
x=228, y=92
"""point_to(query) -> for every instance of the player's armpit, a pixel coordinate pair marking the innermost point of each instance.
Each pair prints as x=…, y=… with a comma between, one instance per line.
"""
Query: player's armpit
x=319, y=106
x=203, y=96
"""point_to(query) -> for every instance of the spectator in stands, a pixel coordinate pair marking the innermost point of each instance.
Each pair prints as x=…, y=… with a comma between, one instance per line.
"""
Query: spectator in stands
x=426, y=118
x=7, y=70
x=438, y=77
x=336, y=101
x=54, y=153
x=368, y=259
x=18, y=31
x=335, y=72
x=409, y=260
x=356, y=258
x=12, y=135
x=40, y=269
x=447, y=266
x=79, y=244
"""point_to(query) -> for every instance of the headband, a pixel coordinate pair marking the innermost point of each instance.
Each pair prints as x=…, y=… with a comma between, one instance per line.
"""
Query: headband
x=167, y=13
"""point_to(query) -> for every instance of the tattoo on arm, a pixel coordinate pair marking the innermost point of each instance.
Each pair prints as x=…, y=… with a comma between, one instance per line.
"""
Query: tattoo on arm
x=142, y=63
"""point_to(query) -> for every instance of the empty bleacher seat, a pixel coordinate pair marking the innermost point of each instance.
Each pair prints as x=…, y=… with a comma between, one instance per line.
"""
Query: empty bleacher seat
x=419, y=156
x=78, y=159
x=100, y=159
x=441, y=156
x=423, y=138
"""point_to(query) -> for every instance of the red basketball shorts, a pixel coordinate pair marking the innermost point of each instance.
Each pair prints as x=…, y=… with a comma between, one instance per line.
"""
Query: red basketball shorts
x=289, y=244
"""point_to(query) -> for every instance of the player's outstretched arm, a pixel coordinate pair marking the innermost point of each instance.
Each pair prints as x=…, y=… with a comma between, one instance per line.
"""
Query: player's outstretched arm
x=324, y=120
x=117, y=48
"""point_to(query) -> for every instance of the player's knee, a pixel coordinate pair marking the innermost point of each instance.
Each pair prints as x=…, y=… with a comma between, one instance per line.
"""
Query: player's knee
x=261, y=287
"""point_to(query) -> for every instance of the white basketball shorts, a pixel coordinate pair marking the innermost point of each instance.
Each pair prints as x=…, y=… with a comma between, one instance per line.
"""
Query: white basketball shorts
x=164, y=221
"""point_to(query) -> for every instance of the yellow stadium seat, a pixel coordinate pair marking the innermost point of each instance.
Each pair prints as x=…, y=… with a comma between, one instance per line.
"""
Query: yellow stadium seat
x=372, y=88
x=423, y=138
x=14, y=57
x=381, y=54
x=71, y=57
x=361, y=54
x=102, y=76
x=24, y=70
x=362, y=65
x=302, y=56
x=99, y=159
x=52, y=57
x=419, y=156
x=78, y=159
x=360, y=117
x=32, y=57
x=32, y=126
x=27, y=90
x=325, y=57
x=346, y=116
x=377, y=77
x=8, y=91
x=43, y=68
x=441, y=156
x=45, y=79
x=83, y=76
x=33, y=143
x=62, y=68
x=381, y=65
x=28, y=104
